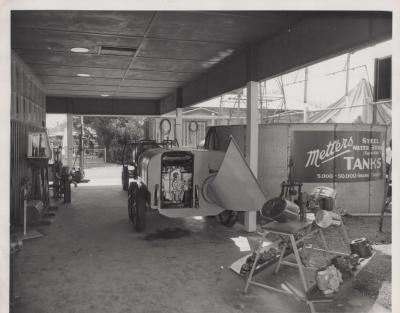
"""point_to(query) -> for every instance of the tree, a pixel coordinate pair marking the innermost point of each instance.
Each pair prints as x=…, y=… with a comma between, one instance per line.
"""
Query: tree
x=113, y=133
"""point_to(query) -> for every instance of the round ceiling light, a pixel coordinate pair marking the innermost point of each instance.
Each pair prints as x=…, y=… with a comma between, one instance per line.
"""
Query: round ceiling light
x=80, y=50
x=83, y=75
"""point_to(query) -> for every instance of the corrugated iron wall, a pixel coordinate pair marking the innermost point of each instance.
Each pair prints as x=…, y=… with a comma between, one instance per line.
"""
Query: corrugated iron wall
x=28, y=114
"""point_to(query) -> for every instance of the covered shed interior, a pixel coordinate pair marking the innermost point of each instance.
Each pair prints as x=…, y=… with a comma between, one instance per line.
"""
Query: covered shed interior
x=148, y=63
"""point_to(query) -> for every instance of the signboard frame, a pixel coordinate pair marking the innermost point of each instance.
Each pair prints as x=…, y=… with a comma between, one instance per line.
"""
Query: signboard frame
x=322, y=156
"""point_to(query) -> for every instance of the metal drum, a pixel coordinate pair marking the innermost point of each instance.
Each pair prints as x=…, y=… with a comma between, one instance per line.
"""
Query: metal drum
x=281, y=210
x=325, y=196
x=362, y=247
x=324, y=219
x=324, y=192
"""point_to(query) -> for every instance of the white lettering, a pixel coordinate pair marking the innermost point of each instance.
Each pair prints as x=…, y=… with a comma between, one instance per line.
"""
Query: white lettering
x=378, y=163
x=357, y=164
x=348, y=162
x=312, y=158
x=353, y=164
x=317, y=156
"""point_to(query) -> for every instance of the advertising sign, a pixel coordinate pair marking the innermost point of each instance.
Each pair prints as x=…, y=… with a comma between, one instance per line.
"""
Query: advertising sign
x=341, y=156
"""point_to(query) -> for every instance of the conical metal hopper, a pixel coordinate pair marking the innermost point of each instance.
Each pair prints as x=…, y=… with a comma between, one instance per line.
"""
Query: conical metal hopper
x=235, y=187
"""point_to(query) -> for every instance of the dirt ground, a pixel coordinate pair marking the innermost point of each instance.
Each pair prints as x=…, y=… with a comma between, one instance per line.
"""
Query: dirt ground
x=375, y=280
x=91, y=260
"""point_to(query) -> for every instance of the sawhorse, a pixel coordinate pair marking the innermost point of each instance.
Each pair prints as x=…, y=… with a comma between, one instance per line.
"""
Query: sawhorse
x=289, y=230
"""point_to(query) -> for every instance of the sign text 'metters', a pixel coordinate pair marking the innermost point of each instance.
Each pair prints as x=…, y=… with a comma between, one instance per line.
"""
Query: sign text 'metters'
x=343, y=156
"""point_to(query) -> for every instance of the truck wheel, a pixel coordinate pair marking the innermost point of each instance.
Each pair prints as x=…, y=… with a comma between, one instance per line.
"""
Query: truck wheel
x=125, y=178
x=137, y=207
x=228, y=218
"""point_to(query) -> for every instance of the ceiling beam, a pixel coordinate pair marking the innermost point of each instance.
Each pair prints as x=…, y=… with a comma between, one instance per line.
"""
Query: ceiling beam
x=152, y=37
x=33, y=64
x=110, y=78
x=92, y=106
x=63, y=52
x=74, y=85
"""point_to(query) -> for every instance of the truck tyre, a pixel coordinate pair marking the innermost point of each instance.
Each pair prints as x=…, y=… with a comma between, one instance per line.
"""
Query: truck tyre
x=228, y=218
x=137, y=206
x=125, y=178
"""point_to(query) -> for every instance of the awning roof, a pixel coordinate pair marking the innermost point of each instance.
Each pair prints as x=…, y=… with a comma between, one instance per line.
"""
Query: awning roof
x=167, y=59
x=168, y=48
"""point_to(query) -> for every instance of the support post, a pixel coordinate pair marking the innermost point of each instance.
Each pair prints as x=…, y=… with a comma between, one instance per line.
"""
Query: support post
x=306, y=111
x=178, y=126
x=253, y=118
x=82, y=148
x=70, y=141
x=305, y=84
x=25, y=192
x=347, y=74
x=369, y=111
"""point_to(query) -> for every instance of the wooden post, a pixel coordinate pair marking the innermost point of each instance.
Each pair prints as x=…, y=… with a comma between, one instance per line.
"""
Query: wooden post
x=25, y=192
x=82, y=152
x=306, y=112
x=253, y=118
x=70, y=141
x=347, y=74
x=178, y=126
x=212, y=119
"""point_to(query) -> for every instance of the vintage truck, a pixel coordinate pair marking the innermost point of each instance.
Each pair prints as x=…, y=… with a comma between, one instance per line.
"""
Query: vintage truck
x=194, y=182
x=134, y=149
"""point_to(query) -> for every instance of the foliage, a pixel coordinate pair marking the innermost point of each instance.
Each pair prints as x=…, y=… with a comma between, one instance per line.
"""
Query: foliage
x=114, y=133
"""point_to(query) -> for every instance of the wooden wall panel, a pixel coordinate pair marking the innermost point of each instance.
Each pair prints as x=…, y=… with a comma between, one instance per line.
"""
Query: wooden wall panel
x=27, y=114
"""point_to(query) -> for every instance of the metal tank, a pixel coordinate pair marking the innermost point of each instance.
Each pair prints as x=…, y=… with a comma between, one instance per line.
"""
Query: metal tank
x=184, y=183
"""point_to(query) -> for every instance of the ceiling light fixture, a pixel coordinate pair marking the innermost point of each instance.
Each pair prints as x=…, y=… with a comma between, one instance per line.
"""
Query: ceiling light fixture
x=83, y=75
x=105, y=95
x=80, y=50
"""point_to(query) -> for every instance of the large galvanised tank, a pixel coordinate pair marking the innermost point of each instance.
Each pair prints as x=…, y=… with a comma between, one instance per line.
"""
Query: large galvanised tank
x=347, y=157
x=184, y=183
x=170, y=174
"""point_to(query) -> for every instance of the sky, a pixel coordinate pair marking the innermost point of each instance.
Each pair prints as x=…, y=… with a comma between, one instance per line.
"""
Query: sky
x=322, y=89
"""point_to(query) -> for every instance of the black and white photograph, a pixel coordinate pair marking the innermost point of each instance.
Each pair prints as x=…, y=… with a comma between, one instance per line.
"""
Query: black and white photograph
x=174, y=158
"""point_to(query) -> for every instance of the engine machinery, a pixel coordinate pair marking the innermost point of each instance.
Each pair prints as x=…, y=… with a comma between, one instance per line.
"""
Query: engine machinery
x=184, y=183
x=135, y=149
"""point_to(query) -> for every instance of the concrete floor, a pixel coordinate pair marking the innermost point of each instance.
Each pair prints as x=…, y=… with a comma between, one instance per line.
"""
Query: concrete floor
x=91, y=260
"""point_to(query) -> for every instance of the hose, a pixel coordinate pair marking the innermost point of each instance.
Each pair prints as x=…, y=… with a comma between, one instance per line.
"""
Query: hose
x=196, y=126
x=162, y=131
